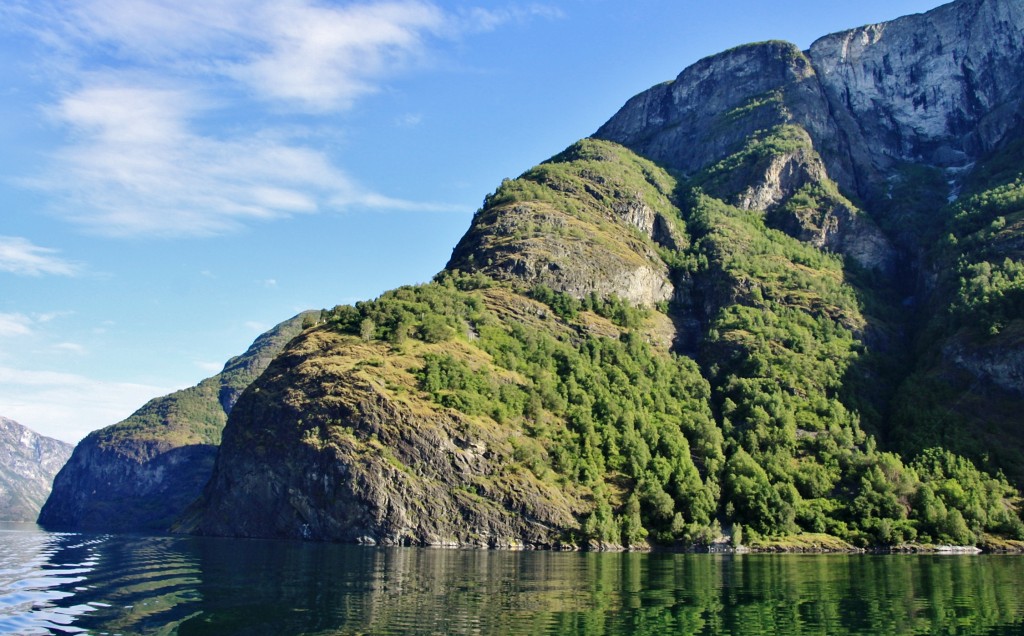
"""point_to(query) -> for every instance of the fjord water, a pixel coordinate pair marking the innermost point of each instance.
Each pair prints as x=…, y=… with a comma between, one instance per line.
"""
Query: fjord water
x=53, y=583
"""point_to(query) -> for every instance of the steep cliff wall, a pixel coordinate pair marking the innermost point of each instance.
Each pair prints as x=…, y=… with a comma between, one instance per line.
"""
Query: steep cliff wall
x=28, y=463
x=941, y=88
x=321, y=449
x=140, y=474
x=713, y=107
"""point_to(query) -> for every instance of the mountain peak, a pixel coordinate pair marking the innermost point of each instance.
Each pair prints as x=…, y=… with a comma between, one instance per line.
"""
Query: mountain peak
x=28, y=463
x=939, y=88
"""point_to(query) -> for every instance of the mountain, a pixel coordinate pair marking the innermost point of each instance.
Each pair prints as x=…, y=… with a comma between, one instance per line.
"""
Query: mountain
x=920, y=121
x=141, y=473
x=28, y=463
x=778, y=300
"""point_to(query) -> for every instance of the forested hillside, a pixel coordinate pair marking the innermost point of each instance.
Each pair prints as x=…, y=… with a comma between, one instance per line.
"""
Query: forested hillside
x=776, y=301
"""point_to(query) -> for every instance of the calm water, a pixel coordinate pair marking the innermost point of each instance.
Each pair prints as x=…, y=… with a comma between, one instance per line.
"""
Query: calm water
x=73, y=583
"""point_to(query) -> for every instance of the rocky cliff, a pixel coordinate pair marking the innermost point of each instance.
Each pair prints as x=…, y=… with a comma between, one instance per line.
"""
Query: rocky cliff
x=397, y=471
x=777, y=295
x=941, y=88
x=140, y=474
x=28, y=463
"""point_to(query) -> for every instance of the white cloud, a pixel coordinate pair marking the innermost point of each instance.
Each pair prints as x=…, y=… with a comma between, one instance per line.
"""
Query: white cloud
x=322, y=58
x=210, y=367
x=142, y=171
x=182, y=118
x=20, y=256
x=409, y=120
x=70, y=347
x=68, y=406
x=479, y=19
x=51, y=315
x=253, y=325
x=379, y=201
x=314, y=56
x=15, y=325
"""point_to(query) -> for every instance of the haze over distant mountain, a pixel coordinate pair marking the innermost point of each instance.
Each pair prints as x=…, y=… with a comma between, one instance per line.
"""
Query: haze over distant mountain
x=28, y=463
x=779, y=298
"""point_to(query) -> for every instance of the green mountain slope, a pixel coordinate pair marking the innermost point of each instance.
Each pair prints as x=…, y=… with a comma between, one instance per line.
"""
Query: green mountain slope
x=141, y=473
x=967, y=386
x=520, y=399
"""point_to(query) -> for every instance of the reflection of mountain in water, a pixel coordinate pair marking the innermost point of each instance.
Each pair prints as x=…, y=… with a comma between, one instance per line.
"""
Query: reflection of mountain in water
x=265, y=587
x=58, y=583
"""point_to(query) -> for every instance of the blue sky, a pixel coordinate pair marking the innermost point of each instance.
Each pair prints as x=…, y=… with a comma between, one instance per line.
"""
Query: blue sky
x=178, y=177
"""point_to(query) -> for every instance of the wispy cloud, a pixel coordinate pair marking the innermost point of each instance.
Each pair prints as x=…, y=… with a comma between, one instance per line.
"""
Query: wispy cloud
x=136, y=167
x=68, y=406
x=480, y=19
x=70, y=347
x=148, y=84
x=255, y=326
x=312, y=55
x=322, y=58
x=210, y=367
x=15, y=325
x=409, y=120
x=18, y=255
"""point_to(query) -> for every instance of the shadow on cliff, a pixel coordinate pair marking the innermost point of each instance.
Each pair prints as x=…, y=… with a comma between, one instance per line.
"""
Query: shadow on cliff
x=134, y=496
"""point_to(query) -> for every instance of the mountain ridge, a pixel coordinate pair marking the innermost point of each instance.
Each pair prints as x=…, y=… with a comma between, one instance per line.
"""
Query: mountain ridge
x=28, y=463
x=141, y=473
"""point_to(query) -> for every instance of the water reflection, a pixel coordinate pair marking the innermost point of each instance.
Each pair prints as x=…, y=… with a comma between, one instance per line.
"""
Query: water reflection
x=66, y=583
x=320, y=589
x=59, y=583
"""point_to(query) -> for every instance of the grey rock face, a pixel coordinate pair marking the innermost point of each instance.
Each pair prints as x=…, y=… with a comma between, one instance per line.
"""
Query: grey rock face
x=834, y=224
x=996, y=364
x=356, y=465
x=710, y=110
x=129, y=486
x=937, y=88
x=28, y=463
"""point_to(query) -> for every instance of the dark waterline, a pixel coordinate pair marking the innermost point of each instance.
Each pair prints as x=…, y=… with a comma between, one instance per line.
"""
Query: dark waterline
x=52, y=583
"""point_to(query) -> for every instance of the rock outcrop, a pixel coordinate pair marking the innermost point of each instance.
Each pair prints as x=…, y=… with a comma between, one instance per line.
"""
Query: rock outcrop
x=940, y=88
x=141, y=474
x=321, y=449
x=569, y=226
x=715, y=106
x=28, y=464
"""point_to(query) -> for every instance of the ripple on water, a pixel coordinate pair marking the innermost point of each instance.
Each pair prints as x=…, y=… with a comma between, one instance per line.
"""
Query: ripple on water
x=65, y=583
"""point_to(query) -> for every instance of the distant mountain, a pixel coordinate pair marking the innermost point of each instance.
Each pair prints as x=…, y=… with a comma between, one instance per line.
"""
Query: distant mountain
x=140, y=474
x=28, y=463
x=780, y=298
